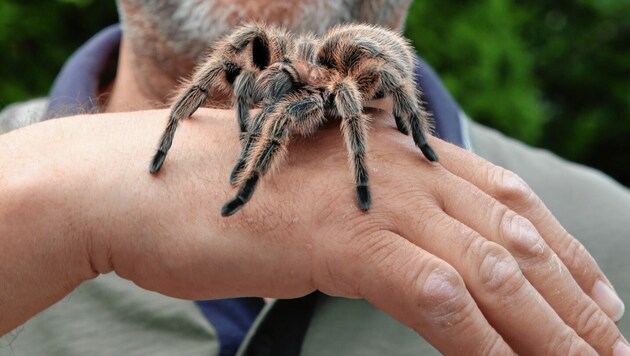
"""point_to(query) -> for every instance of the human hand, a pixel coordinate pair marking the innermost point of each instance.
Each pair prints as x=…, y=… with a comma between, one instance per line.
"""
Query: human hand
x=444, y=270
x=479, y=280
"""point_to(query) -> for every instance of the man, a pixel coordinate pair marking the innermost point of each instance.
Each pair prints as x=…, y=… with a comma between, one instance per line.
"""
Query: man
x=463, y=253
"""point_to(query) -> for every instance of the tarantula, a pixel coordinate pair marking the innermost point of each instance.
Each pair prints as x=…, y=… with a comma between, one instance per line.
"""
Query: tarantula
x=300, y=83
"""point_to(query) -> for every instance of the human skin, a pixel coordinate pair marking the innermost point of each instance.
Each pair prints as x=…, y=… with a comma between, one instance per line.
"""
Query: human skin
x=80, y=202
x=421, y=253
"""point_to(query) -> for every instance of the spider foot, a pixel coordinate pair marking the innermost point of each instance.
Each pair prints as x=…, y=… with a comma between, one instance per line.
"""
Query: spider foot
x=428, y=152
x=363, y=197
x=157, y=162
x=242, y=196
x=232, y=206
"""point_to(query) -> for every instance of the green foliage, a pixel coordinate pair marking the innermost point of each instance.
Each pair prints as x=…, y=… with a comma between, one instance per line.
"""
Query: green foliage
x=476, y=48
x=37, y=37
x=551, y=73
x=583, y=54
x=80, y=3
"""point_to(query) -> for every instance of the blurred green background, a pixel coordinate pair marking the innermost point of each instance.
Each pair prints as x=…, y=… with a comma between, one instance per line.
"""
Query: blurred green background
x=555, y=74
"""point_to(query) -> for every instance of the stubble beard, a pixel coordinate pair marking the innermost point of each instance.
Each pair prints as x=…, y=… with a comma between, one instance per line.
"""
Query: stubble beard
x=170, y=36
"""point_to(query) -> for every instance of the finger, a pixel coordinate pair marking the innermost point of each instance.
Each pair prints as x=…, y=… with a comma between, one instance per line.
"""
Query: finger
x=512, y=191
x=420, y=291
x=539, y=264
x=509, y=302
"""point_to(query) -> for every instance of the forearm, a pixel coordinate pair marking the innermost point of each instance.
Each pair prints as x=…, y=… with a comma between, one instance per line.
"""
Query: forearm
x=60, y=206
x=72, y=190
x=43, y=253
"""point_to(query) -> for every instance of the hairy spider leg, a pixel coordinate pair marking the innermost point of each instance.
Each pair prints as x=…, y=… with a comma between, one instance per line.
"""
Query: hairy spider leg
x=375, y=81
x=271, y=86
x=353, y=56
x=244, y=84
x=243, y=91
x=186, y=105
x=363, y=54
x=406, y=101
x=407, y=110
x=401, y=125
x=354, y=129
x=219, y=73
x=390, y=81
x=249, y=138
x=302, y=112
x=209, y=77
x=403, y=91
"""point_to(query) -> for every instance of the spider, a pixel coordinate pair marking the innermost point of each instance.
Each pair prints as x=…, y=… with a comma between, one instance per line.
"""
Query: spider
x=300, y=83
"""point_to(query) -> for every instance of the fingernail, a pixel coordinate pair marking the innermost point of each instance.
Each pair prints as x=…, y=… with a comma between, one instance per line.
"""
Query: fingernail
x=608, y=300
x=621, y=349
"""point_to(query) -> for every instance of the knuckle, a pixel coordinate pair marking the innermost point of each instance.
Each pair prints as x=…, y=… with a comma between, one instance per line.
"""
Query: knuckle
x=521, y=237
x=492, y=345
x=592, y=324
x=562, y=343
x=587, y=321
x=499, y=273
x=574, y=256
x=443, y=297
x=568, y=342
x=512, y=190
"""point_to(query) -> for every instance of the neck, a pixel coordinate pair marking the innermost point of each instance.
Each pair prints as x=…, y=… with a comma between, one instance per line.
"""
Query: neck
x=139, y=84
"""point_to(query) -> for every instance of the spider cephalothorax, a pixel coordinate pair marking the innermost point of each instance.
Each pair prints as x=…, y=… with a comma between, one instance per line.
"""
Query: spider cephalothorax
x=300, y=83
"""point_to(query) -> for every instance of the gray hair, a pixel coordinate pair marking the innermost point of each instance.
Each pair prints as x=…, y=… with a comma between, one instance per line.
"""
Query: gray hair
x=169, y=29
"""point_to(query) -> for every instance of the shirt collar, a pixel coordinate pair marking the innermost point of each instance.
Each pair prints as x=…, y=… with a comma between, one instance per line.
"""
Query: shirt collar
x=76, y=87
